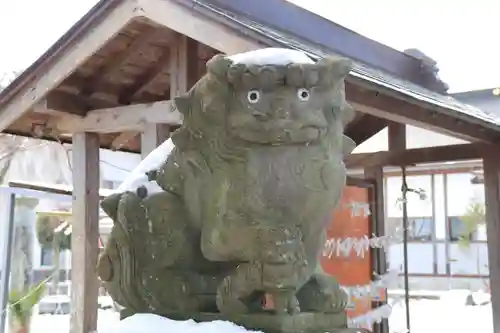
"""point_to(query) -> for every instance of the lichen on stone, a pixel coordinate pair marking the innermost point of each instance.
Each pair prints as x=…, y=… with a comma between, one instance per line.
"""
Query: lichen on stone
x=248, y=192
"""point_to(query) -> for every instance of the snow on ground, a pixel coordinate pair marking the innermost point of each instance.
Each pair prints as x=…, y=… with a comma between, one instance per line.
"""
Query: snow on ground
x=436, y=316
x=427, y=316
x=60, y=323
x=150, y=323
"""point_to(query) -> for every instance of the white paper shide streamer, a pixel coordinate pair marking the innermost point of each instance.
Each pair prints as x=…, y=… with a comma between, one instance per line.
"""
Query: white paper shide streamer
x=360, y=246
x=375, y=316
x=373, y=289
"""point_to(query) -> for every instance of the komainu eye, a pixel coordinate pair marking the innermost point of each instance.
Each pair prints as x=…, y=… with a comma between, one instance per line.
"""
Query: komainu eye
x=253, y=96
x=303, y=94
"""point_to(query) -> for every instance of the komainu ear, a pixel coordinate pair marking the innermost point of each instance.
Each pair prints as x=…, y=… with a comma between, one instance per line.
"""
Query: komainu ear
x=219, y=65
x=342, y=67
x=183, y=104
x=338, y=68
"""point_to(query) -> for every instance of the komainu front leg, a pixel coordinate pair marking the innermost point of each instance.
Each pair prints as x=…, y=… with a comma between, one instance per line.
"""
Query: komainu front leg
x=239, y=291
x=322, y=293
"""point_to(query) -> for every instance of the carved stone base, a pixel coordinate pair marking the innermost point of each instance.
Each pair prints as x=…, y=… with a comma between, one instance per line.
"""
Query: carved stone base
x=307, y=322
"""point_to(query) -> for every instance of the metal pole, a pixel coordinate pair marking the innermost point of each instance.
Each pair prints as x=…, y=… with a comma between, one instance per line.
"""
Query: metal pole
x=7, y=256
x=404, y=192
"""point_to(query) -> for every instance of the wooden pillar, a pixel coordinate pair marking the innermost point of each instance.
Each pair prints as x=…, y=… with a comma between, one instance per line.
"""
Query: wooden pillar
x=8, y=203
x=491, y=165
x=397, y=142
x=377, y=207
x=183, y=75
x=85, y=232
x=397, y=137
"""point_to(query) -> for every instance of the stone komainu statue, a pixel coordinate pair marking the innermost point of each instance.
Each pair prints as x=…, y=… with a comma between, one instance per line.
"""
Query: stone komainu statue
x=247, y=195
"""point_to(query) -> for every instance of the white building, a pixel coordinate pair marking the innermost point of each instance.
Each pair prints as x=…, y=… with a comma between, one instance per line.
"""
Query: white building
x=436, y=260
x=50, y=163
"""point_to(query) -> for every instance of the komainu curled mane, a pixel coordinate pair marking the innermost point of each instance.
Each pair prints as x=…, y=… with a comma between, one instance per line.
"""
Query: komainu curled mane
x=247, y=195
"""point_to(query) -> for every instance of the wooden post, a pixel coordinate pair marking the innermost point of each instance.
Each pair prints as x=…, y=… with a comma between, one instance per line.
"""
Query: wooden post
x=8, y=203
x=377, y=207
x=183, y=74
x=85, y=233
x=491, y=165
x=397, y=137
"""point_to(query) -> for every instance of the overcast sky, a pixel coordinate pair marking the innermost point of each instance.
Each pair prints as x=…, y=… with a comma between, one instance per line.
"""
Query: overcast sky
x=461, y=35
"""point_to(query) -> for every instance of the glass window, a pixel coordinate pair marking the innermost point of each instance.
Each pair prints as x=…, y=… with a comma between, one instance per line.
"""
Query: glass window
x=47, y=257
x=457, y=230
x=420, y=228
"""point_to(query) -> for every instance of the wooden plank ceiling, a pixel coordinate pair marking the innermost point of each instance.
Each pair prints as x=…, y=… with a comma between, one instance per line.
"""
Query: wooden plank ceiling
x=133, y=67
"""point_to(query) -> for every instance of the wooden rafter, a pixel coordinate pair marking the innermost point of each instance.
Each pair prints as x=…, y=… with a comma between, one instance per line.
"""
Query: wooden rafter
x=60, y=102
x=77, y=82
x=71, y=58
x=132, y=92
x=383, y=105
x=115, y=62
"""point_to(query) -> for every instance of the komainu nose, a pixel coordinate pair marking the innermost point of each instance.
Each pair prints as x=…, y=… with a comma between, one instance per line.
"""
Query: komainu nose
x=262, y=116
x=282, y=113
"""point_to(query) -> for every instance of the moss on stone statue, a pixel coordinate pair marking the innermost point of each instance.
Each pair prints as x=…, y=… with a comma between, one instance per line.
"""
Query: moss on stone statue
x=248, y=195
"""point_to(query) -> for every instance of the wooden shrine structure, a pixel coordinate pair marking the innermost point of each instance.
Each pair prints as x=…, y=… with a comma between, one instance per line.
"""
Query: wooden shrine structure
x=109, y=80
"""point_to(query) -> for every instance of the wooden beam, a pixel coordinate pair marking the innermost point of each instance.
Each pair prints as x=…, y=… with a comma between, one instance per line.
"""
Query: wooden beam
x=491, y=164
x=405, y=110
x=71, y=58
x=85, y=233
x=185, y=21
x=63, y=103
x=468, y=151
x=124, y=118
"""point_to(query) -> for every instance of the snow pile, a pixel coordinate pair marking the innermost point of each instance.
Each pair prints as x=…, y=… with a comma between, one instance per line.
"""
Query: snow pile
x=271, y=56
x=150, y=323
x=153, y=161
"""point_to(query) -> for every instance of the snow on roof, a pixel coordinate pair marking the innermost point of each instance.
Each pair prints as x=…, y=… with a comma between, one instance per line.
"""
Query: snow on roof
x=272, y=56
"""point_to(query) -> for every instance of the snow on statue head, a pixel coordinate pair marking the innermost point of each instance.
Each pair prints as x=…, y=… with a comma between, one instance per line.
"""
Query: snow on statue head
x=236, y=205
x=269, y=96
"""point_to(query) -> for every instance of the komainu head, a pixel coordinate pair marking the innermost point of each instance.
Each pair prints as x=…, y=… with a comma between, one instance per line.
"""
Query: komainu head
x=268, y=96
